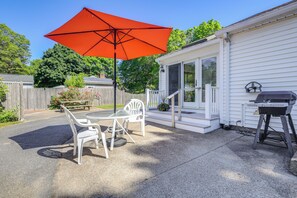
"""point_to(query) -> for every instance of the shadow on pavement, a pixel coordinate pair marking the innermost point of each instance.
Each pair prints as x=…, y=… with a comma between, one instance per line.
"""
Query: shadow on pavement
x=47, y=136
x=65, y=152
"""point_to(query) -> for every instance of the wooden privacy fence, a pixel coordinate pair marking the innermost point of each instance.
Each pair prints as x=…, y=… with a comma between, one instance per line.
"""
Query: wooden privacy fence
x=39, y=98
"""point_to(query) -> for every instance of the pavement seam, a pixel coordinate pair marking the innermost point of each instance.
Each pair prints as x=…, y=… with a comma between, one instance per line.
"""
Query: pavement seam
x=186, y=162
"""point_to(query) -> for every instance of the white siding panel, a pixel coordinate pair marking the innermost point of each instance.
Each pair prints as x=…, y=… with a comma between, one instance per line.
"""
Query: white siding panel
x=162, y=81
x=267, y=55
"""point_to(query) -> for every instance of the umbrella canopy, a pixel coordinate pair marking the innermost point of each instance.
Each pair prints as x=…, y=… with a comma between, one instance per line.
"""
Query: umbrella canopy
x=94, y=33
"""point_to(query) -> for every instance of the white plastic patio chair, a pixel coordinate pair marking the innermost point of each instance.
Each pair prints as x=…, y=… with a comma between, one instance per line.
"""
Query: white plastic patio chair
x=79, y=138
x=136, y=105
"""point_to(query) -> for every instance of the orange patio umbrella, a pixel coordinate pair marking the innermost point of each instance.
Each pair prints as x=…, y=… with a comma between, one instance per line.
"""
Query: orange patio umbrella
x=94, y=33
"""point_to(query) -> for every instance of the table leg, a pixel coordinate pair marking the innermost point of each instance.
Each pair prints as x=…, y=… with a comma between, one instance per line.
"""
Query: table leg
x=125, y=131
x=113, y=134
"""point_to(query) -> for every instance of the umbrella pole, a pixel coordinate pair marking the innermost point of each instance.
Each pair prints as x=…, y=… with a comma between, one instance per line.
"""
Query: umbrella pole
x=115, y=73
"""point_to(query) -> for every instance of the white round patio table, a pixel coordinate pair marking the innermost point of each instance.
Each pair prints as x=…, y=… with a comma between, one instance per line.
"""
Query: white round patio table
x=114, y=141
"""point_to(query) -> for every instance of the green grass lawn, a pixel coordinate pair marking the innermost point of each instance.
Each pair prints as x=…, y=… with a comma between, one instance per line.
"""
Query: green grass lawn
x=8, y=123
x=110, y=106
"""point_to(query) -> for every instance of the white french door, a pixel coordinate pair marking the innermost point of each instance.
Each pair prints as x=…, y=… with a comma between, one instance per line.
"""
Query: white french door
x=189, y=84
x=194, y=76
x=208, y=68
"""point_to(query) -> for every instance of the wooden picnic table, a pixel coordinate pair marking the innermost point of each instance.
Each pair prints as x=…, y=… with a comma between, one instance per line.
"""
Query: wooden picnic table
x=75, y=104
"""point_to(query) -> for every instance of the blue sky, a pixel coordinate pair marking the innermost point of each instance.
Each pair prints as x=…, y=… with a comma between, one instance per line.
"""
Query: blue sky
x=35, y=18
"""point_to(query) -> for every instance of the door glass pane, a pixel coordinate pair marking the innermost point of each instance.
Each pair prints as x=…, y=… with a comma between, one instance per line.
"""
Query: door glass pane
x=174, y=80
x=189, y=82
x=209, y=76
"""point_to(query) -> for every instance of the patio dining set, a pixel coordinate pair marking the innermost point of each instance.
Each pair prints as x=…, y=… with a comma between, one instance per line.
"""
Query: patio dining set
x=134, y=111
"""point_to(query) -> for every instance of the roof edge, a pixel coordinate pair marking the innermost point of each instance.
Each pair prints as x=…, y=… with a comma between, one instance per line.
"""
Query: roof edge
x=188, y=49
x=259, y=17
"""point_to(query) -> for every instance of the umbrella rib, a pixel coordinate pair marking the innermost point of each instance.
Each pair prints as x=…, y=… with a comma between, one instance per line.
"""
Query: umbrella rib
x=145, y=28
x=88, y=31
x=126, y=41
x=148, y=43
x=99, y=18
x=81, y=32
x=104, y=38
x=96, y=44
x=122, y=45
x=125, y=34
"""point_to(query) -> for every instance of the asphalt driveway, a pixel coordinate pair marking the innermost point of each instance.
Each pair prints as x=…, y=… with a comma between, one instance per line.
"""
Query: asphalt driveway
x=35, y=162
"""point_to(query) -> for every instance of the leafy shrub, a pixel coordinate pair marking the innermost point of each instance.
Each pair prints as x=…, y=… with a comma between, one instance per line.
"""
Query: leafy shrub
x=8, y=116
x=54, y=103
x=3, y=92
x=75, y=81
x=163, y=106
x=72, y=93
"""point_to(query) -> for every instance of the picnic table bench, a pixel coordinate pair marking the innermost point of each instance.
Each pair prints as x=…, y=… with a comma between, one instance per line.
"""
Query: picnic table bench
x=75, y=104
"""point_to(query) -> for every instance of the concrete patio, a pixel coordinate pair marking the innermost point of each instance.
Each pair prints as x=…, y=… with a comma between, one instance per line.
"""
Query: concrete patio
x=166, y=163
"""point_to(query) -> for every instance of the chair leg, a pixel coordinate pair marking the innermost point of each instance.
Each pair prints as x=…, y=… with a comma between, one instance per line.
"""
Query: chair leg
x=127, y=125
x=96, y=143
x=143, y=128
x=104, y=145
x=80, y=150
x=74, y=146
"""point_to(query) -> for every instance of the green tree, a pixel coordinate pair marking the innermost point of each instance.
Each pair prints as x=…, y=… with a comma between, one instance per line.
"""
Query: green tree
x=138, y=74
x=75, y=81
x=203, y=30
x=176, y=40
x=14, y=51
x=34, y=65
x=57, y=63
x=95, y=66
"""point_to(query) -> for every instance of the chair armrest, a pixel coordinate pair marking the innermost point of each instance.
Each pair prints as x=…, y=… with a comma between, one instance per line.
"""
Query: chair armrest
x=85, y=121
x=90, y=125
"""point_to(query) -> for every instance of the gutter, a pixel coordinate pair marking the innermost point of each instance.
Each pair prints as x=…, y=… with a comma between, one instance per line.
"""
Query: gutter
x=187, y=50
x=227, y=40
x=288, y=9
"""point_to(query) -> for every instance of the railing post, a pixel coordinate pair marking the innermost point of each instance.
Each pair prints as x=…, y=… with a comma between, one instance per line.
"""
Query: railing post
x=207, y=101
x=173, y=112
x=179, y=104
x=147, y=91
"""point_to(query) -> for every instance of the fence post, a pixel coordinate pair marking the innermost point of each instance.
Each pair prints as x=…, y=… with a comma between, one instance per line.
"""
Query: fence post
x=207, y=101
x=147, y=92
x=21, y=106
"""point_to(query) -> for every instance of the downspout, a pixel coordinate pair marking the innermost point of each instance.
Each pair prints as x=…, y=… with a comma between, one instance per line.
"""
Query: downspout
x=228, y=46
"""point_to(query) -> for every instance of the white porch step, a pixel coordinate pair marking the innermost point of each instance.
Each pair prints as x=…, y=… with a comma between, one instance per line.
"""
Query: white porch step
x=197, y=118
x=189, y=126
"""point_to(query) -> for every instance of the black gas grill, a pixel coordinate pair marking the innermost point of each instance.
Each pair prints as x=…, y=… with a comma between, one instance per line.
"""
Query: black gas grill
x=277, y=104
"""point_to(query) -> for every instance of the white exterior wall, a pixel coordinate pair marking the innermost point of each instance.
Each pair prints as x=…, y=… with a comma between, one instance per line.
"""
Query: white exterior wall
x=162, y=80
x=267, y=55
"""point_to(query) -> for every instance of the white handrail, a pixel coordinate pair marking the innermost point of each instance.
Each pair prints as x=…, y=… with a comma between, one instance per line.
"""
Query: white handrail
x=172, y=95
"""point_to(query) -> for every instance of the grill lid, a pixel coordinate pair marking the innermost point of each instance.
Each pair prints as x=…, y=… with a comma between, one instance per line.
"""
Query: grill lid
x=276, y=96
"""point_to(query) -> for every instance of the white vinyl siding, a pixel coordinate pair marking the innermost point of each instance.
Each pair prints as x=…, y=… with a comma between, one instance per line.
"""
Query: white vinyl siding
x=267, y=55
x=162, y=80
